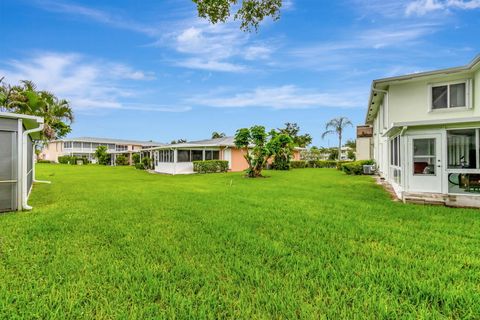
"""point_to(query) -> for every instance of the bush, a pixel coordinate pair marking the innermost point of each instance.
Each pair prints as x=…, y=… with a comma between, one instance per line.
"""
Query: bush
x=136, y=158
x=44, y=161
x=147, y=163
x=121, y=160
x=72, y=160
x=298, y=164
x=139, y=166
x=210, y=166
x=317, y=164
x=355, y=167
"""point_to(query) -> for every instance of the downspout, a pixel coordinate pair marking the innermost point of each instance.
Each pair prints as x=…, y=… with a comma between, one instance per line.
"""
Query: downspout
x=387, y=104
x=25, y=205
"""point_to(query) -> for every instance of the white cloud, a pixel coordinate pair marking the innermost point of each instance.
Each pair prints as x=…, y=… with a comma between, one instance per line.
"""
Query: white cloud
x=88, y=85
x=422, y=7
x=258, y=52
x=97, y=15
x=210, y=65
x=283, y=97
x=209, y=47
x=221, y=47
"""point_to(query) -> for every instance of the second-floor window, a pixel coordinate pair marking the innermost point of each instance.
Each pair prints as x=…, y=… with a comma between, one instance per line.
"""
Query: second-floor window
x=451, y=95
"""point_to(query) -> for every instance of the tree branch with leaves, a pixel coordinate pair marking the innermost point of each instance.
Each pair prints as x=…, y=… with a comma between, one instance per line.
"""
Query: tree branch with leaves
x=250, y=13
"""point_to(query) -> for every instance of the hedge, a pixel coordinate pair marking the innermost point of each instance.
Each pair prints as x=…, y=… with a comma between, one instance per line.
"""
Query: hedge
x=44, y=161
x=210, y=166
x=355, y=167
x=317, y=164
x=72, y=160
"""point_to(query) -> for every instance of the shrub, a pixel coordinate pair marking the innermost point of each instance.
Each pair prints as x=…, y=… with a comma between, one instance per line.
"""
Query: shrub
x=102, y=156
x=44, y=161
x=210, y=166
x=121, y=160
x=317, y=164
x=139, y=166
x=72, y=160
x=355, y=167
x=136, y=158
x=147, y=163
x=298, y=164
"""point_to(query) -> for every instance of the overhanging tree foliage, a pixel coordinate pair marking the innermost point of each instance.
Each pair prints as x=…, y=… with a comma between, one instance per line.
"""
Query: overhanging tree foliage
x=250, y=13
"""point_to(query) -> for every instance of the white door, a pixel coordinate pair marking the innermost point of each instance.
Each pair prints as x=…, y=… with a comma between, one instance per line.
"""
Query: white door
x=425, y=163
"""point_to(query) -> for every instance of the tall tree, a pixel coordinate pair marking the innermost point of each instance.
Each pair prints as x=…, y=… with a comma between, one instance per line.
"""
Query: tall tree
x=292, y=129
x=26, y=99
x=250, y=13
x=337, y=126
x=217, y=135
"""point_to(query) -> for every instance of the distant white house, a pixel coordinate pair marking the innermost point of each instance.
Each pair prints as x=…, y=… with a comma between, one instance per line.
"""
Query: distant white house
x=425, y=134
x=85, y=147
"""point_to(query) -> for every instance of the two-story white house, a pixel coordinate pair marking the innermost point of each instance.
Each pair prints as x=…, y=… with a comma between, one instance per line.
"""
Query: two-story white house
x=426, y=134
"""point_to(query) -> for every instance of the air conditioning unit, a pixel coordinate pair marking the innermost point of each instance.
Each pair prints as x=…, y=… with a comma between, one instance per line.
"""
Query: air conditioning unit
x=368, y=169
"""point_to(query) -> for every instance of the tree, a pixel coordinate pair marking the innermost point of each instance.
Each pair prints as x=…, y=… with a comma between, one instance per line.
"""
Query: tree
x=178, y=141
x=352, y=144
x=136, y=158
x=337, y=126
x=333, y=154
x=250, y=12
x=255, y=138
x=26, y=99
x=218, y=135
x=102, y=156
x=351, y=155
x=292, y=129
x=121, y=160
x=281, y=147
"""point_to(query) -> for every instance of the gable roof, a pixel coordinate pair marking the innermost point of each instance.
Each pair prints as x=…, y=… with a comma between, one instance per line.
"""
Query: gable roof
x=376, y=96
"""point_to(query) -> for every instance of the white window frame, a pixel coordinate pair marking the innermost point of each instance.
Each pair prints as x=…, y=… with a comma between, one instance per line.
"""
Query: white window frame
x=468, y=95
x=477, y=141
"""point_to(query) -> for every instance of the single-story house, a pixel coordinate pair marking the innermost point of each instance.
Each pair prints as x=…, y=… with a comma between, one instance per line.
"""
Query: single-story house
x=425, y=134
x=17, y=170
x=178, y=158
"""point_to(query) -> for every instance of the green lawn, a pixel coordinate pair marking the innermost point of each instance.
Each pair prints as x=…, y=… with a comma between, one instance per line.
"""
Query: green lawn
x=105, y=242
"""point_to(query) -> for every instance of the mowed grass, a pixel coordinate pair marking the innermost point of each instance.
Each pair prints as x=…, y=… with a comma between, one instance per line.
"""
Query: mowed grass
x=115, y=242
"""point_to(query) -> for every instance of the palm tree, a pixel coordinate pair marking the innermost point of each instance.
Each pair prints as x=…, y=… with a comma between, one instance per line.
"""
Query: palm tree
x=26, y=99
x=217, y=135
x=336, y=126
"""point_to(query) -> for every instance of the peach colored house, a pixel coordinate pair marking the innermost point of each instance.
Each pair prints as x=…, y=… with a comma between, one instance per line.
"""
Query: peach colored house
x=178, y=158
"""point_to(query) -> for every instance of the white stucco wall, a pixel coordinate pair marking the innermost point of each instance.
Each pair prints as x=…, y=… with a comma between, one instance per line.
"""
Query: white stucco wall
x=410, y=101
x=363, y=148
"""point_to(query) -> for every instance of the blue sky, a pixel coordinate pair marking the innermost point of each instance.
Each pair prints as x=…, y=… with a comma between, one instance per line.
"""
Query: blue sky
x=152, y=70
